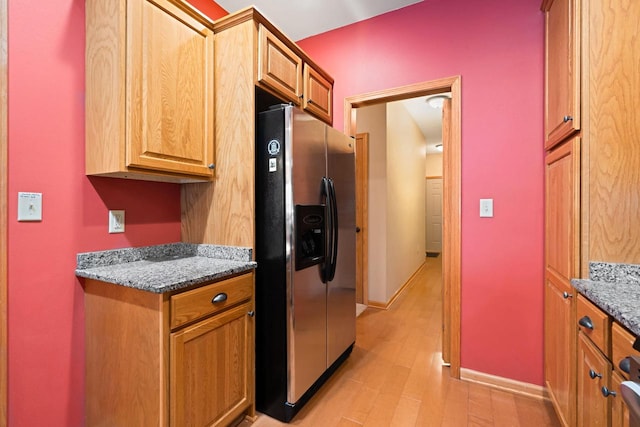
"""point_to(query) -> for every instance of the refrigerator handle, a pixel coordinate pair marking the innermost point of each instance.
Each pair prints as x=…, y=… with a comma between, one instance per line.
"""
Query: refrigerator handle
x=326, y=266
x=334, y=231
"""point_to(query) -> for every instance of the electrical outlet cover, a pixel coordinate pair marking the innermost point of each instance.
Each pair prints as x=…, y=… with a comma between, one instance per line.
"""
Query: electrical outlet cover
x=116, y=221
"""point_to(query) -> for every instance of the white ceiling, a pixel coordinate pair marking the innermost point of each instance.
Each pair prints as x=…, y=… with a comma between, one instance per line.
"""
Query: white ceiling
x=299, y=19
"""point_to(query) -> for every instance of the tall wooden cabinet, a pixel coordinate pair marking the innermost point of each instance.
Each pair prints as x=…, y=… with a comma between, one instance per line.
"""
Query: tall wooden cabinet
x=251, y=53
x=592, y=105
x=149, y=91
x=562, y=240
x=611, y=132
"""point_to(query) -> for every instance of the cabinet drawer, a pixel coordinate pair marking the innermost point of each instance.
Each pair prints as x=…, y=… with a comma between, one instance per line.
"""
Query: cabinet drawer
x=195, y=304
x=621, y=347
x=594, y=323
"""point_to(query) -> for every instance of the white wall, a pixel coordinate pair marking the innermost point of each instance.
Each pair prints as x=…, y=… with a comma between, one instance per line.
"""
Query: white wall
x=434, y=165
x=396, y=197
x=405, y=197
x=373, y=120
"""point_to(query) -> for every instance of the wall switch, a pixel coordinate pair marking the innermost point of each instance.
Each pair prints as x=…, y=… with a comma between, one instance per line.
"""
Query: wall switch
x=486, y=208
x=29, y=206
x=116, y=221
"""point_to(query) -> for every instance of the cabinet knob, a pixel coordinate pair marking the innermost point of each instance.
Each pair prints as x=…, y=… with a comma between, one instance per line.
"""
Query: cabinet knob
x=211, y=166
x=593, y=374
x=221, y=297
x=566, y=295
x=625, y=365
x=606, y=392
x=567, y=119
x=311, y=101
x=251, y=313
x=357, y=229
x=586, y=322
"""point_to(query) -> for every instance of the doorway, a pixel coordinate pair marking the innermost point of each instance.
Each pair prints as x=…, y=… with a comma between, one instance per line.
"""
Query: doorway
x=451, y=263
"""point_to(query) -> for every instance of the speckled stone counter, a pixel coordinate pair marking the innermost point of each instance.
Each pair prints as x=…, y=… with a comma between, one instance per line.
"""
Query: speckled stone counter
x=164, y=268
x=615, y=288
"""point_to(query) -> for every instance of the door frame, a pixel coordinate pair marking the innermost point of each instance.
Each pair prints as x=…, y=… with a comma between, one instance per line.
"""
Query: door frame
x=451, y=239
x=362, y=210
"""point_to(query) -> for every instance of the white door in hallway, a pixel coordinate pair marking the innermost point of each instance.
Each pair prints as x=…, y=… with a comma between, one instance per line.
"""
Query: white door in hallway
x=434, y=215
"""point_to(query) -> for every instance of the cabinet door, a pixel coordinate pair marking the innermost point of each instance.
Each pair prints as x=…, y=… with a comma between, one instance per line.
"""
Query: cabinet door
x=211, y=372
x=561, y=264
x=562, y=210
x=559, y=344
x=594, y=372
x=279, y=67
x=619, y=411
x=170, y=89
x=318, y=94
x=562, y=74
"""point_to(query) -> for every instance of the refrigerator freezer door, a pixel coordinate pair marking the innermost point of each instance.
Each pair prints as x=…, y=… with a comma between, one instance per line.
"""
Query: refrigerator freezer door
x=307, y=326
x=341, y=293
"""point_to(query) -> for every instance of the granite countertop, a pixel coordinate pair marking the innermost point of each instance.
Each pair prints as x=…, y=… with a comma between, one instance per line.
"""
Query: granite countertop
x=164, y=268
x=615, y=288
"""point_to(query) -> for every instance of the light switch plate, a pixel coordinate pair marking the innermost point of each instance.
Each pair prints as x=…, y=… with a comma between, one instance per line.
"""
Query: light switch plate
x=486, y=208
x=29, y=206
x=116, y=221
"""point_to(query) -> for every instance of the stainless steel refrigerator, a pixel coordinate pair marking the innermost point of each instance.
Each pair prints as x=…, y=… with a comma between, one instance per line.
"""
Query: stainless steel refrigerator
x=305, y=249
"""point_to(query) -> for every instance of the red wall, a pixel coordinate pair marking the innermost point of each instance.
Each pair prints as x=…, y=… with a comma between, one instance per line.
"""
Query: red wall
x=46, y=154
x=497, y=48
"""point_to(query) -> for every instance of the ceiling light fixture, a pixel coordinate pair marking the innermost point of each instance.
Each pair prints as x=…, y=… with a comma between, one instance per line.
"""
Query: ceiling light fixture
x=436, y=101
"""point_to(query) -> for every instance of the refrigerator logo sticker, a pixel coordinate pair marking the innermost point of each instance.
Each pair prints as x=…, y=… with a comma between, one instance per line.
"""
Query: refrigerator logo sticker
x=273, y=147
x=272, y=165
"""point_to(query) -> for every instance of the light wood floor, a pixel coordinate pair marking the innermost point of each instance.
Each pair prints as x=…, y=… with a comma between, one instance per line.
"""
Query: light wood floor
x=394, y=377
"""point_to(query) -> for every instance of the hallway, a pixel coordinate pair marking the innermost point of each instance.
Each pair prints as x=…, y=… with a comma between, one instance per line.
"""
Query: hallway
x=394, y=377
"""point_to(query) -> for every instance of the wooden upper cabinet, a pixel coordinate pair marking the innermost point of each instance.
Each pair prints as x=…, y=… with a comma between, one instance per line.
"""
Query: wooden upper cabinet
x=279, y=67
x=149, y=91
x=318, y=94
x=285, y=71
x=562, y=72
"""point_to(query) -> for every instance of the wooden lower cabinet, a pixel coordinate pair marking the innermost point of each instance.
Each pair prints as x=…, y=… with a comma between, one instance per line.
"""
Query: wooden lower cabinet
x=141, y=371
x=619, y=411
x=559, y=340
x=211, y=369
x=594, y=373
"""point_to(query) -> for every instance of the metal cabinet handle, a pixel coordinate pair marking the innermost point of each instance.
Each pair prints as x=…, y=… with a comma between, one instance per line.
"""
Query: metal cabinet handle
x=251, y=313
x=593, y=374
x=358, y=229
x=566, y=295
x=567, y=118
x=625, y=365
x=606, y=392
x=586, y=322
x=211, y=166
x=221, y=297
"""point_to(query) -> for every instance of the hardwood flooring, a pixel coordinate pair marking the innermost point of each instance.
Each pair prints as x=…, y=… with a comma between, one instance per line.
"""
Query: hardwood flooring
x=395, y=377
